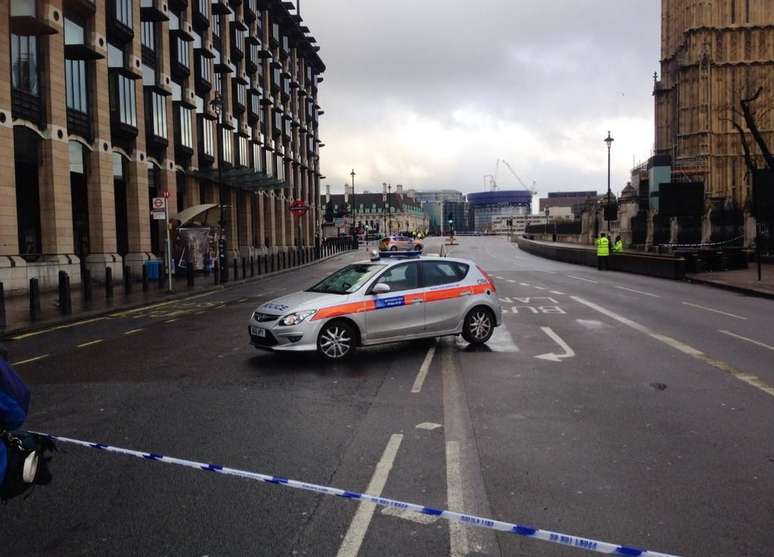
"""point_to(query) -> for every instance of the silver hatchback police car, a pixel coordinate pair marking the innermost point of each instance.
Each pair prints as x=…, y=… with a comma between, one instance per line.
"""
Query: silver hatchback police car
x=386, y=299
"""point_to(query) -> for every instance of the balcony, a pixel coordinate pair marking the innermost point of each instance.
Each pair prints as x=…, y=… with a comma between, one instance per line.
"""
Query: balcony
x=27, y=20
x=220, y=7
x=79, y=123
x=27, y=106
x=153, y=10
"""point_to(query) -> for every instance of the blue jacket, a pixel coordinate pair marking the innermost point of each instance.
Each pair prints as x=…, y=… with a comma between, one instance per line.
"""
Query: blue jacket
x=14, y=404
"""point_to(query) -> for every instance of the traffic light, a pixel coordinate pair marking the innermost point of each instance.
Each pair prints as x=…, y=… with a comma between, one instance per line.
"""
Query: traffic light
x=451, y=218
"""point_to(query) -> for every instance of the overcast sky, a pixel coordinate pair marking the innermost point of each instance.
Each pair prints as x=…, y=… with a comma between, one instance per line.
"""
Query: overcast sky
x=430, y=93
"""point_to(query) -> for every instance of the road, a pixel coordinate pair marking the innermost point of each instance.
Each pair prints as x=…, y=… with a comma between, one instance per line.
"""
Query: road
x=624, y=408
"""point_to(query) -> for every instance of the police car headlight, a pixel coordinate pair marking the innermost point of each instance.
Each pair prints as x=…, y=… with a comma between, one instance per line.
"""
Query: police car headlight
x=296, y=318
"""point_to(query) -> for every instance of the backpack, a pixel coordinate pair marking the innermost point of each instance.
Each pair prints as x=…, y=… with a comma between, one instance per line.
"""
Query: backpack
x=27, y=463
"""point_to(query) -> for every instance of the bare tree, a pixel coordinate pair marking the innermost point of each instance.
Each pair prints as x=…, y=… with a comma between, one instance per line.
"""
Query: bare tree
x=751, y=121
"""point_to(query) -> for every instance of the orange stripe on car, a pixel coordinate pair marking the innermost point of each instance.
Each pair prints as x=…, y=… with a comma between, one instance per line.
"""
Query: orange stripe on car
x=344, y=309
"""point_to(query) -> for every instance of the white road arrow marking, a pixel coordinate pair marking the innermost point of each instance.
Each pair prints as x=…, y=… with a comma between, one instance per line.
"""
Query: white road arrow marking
x=551, y=356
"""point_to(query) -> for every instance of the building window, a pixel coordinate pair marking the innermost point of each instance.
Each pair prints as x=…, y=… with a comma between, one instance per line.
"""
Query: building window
x=158, y=114
x=207, y=137
x=216, y=26
x=227, y=145
x=257, y=162
x=119, y=193
x=204, y=7
x=205, y=69
x=185, y=135
x=24, y=64
x=122, y=11
x=26, y=154
x=180, y=178
x=183, y=56
x=149, y=35
x=241, y=92
x=255, y=103
x=123, y=102
x=76, y=85
x=243, y=152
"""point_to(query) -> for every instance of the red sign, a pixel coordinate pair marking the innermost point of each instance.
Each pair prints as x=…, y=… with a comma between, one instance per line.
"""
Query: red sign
x=298, y=208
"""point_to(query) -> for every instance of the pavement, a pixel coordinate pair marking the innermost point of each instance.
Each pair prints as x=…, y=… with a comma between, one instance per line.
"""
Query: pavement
x=613, y=406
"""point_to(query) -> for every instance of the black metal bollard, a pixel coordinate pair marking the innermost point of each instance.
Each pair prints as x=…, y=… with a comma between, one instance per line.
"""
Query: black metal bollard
x=65, y=299
x=244, y=268
x=236, y=269
x=216, y=273
x=108, y=283
x=34, y=299
x=127, y=279
x=284, y=260
x=3, y=321
x=252, y=266
x=189, y=273
x=144, y=278
x=273, y=262
x=86, y=285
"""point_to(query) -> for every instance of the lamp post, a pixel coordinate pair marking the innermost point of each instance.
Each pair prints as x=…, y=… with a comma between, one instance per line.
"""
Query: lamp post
x=389, y=208
x=216, y=104
x=354, y=206
x=609, y=140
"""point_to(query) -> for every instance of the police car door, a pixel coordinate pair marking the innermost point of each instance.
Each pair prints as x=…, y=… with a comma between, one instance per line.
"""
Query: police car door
x=400, y=312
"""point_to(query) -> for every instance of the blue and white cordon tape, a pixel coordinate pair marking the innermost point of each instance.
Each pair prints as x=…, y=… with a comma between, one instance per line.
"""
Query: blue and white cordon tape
x=466, y=519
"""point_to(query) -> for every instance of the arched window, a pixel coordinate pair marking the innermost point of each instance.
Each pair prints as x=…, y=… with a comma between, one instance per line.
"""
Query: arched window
x=27, y=162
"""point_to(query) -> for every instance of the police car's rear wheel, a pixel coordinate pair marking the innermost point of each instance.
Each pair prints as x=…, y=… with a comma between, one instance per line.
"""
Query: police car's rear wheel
x=394, y=248
x=336, y=340
x=479, y=326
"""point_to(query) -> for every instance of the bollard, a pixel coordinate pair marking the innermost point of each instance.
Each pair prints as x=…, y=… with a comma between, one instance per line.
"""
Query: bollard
x=252, y=266
x=61, y=290
x=216, y=273
x=67, y=306
x=285, y=260
x=86, y=285
x=236, y=269
x=265, y=268
x=34, y=299
x=224, y=270
x=189, y=273
x=127, y=279
x=144, y=278
x=273, y=262
x=244, y=268
x=108, y=283
x=3, y=321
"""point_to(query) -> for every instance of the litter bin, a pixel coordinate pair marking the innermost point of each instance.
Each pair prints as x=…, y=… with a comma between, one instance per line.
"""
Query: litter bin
x=154, y=269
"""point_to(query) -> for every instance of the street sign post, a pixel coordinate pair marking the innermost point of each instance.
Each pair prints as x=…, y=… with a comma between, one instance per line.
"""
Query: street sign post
x=160, y=211
x=298, y=209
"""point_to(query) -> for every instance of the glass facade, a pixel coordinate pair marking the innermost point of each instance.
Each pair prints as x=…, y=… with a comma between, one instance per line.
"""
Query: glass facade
x=24, y=64
x=123, y=100
x=122, y=12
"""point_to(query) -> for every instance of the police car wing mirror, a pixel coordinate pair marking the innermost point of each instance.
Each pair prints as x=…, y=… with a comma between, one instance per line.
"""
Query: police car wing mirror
x=380, y=288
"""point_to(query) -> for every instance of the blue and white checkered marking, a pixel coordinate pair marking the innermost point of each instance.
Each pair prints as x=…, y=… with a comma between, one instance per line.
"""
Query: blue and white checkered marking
x=470, y=520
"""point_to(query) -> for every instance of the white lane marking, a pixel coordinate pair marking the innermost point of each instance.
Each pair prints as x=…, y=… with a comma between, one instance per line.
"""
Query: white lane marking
x=58, y=327
x=551, y=356
x=583, y=279
x=28, y=360
x=365, y=511
x=458, y=537
x=409, y=515
x=759, y=343
x=743, y=376
x=715, y=310
x=132, y=331
x=171, y=320
x=91, y=342
x=501, y=278
x=423, y=369
x=502, y=341
x=506, y=300
x=592, y=324
x=429, y=426
x=512, y=281
x=540, y=288
x=557, y=292
x=638, y=291
x=523, y=284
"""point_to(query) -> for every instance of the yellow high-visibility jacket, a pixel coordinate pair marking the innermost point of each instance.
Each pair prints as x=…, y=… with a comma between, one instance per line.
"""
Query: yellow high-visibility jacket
x=618, y=246
x=603, y=246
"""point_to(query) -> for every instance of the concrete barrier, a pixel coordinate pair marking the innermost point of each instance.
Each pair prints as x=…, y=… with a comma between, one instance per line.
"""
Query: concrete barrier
x=663, y=266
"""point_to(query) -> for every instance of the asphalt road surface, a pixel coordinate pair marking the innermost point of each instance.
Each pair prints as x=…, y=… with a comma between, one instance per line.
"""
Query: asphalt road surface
x=624, y=408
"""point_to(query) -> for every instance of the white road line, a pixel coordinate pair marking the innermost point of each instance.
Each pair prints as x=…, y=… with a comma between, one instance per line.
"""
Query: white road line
x=743, y=376
x=501, y=278
x=763, y=344
x=171, y=320
x=423, y=369
x=409, y=515
x=502, y=341
x=557, y=292
x=583, y=279
x=512, y=281
x=551, y=356
x=85, y=344
x=523, y=284
x=28, y=360
x=365, y=511
x=540, y=288
x=458, y=538
x=715, y=311
x=132, y=332
x=638, y=292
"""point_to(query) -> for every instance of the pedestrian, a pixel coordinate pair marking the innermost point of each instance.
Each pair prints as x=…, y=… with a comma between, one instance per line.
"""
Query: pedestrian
x=618, y=245
x=603, y=252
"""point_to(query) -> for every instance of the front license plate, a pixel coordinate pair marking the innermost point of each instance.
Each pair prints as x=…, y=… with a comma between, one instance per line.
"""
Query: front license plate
x=257, y=331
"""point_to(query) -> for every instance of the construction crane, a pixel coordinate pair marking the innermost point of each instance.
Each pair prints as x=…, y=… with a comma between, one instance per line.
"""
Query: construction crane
x=493, y=179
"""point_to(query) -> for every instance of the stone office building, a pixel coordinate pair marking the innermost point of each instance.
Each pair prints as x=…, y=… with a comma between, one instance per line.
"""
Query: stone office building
x=713, y=53
x=107, y=104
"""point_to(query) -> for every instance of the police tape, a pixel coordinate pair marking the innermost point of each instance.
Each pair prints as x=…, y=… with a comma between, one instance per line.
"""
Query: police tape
x=704, y=244
x=468, y=520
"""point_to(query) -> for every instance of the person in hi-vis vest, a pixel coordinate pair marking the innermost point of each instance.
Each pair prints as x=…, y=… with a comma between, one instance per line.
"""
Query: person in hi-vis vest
x=603, y=252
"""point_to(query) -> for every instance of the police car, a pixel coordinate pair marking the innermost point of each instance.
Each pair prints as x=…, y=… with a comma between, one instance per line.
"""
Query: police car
x=392, y=297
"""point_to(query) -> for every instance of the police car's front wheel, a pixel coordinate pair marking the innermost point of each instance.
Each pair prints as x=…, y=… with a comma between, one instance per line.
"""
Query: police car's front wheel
x=336, y=340
x=479, y=325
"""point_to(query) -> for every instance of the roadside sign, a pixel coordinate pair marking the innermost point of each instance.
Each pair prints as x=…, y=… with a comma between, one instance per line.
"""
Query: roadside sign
x=159, y=215
x=158, y=203
x=298, y=208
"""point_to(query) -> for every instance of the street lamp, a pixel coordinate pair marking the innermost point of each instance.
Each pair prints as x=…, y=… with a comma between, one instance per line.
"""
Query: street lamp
x=389, y=207
x=354, y=206
x=609, y=140
x=216, y=105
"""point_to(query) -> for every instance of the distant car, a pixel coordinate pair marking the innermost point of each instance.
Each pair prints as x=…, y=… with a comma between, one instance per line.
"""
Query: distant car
x=399, y=242
x=380, y=301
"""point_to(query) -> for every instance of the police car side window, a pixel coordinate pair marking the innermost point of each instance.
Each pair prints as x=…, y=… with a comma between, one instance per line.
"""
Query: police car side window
x=401, y=277
x=436, y=273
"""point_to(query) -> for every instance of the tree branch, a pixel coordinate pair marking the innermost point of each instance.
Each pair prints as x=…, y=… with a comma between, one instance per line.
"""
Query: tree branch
x=746, y=148
x=749, y=119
